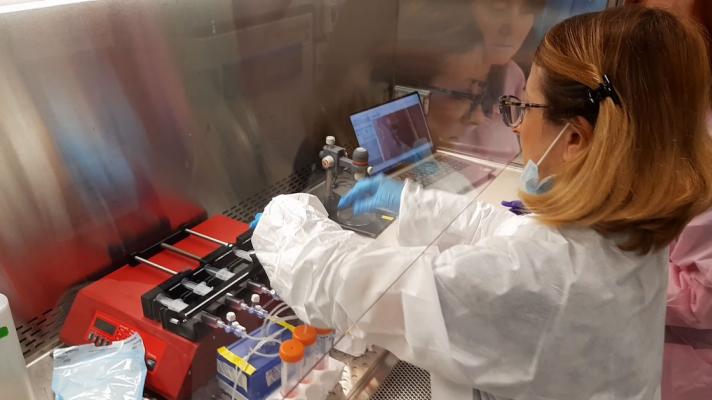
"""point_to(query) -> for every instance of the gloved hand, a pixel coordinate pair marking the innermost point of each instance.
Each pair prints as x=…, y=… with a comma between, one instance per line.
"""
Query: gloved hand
x=371, y=194
x=421, y=154
x=516, y=207
x=255, y=221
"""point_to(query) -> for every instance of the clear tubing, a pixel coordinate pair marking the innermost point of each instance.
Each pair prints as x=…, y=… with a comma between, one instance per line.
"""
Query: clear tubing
x=271, y=355
x=272, y=315
x=277, y=321
x=255, y=338
x=242, y=306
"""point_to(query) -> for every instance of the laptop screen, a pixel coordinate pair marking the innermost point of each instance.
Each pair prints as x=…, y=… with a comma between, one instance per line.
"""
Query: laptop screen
x=393, y=133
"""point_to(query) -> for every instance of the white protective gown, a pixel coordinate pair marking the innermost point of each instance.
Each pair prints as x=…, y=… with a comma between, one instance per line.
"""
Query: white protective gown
x=499, y=302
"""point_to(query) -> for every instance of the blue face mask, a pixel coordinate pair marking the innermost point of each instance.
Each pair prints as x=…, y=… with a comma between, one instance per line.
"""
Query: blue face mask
x=531, y=182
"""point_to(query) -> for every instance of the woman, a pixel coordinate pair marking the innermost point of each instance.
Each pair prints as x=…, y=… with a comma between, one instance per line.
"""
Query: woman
x=567, y=303
x=462, y=51
x=687, y=361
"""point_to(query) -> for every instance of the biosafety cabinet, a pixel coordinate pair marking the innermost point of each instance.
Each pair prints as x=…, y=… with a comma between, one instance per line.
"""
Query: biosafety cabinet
x=138, y=139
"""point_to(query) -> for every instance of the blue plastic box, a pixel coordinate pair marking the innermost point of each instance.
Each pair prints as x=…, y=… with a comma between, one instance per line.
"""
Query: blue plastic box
x=257, y=377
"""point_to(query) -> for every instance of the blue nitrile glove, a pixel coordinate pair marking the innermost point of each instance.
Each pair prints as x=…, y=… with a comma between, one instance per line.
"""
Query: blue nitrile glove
x=255, y=221
x=371, y=194
x=419, y=155
x=516, y=207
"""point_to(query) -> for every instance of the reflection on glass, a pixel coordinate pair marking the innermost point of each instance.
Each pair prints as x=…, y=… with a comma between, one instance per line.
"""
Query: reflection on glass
x=465, y=52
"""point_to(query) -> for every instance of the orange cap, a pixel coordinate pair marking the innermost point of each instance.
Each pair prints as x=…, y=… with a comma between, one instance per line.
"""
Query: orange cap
x=323, y=332
x=305, y=334
x=291, y=351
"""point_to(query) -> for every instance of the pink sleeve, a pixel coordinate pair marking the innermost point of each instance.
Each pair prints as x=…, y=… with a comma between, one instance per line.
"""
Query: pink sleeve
x=689, y=297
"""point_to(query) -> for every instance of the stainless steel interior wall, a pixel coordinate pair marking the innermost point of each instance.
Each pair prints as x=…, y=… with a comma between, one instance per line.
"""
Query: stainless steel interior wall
x=107, y=106
x=119, y=115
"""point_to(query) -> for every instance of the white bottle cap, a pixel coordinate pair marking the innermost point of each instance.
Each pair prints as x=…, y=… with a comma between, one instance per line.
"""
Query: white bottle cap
x=255, y=298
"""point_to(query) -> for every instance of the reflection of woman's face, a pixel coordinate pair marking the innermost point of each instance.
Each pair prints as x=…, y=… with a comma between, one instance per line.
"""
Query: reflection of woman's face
x=504, y=25
x=449, y=115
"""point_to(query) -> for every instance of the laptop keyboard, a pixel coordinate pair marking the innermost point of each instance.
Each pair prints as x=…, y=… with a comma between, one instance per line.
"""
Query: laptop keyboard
x=428, y=172
x=456, y=164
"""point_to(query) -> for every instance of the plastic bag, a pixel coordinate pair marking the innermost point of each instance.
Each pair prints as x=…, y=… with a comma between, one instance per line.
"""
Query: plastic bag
x=114, y=372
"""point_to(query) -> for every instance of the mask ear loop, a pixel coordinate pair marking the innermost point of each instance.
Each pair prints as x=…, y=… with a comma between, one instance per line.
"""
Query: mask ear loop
x=551, y=146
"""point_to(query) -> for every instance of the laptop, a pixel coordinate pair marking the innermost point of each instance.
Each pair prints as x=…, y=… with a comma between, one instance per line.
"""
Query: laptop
x=400, y=145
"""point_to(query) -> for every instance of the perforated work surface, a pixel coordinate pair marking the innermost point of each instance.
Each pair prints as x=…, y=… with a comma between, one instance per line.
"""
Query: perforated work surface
x=246, y=209
x=406, y=382
x=41, y=334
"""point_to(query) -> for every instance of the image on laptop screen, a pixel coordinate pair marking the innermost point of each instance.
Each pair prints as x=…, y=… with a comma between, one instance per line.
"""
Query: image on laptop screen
x=393, y=133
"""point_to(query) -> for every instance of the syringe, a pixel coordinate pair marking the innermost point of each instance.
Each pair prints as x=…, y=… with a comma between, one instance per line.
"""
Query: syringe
x=231, y=326
x=240, y=305
x=262, y=289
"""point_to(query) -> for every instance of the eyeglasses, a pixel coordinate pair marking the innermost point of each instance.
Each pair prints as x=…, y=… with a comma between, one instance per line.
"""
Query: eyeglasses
x=473, y=98
x=513, y=110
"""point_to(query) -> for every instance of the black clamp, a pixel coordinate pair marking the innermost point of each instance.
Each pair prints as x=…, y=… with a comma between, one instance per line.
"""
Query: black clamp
x=604, y=90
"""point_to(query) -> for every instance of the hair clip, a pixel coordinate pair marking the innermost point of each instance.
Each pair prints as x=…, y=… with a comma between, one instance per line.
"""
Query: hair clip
x=604, y=90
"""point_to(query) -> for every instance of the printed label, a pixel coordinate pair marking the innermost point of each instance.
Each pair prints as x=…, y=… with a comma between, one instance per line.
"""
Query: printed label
x=233, y=374
x=236, y=360
x=273, y=375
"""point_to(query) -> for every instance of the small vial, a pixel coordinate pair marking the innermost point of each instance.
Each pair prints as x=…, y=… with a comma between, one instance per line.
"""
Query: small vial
x=324, y=343
x=291, y=352
x=306, y=335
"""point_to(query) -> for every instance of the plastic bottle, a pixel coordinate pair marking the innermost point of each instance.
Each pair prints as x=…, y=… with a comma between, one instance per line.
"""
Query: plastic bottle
x=307, y=336
x=324, y=343
x=14, y=380
x=291, y=352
